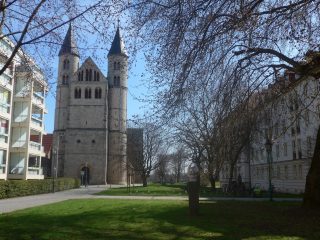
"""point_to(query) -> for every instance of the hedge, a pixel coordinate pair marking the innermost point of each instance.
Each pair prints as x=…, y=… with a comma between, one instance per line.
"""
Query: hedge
x=18, y=188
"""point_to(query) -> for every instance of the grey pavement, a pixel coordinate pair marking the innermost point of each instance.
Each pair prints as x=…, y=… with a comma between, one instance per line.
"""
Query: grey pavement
x=13, y=204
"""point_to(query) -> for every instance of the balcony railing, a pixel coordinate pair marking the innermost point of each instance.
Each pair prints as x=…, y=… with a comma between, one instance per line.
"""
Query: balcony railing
x=36, y=146
x=17, y=170
x=36, y=121
x=2, y=168
x=35, y=170
x=39, y=100
x=4, y=107
x=3, y=137
x=20, y=118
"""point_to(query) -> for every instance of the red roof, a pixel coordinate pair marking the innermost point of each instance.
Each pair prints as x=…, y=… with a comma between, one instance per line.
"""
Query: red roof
x=47, y=143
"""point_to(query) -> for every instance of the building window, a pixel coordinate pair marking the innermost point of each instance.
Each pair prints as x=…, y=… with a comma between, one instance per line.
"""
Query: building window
x=97, y=93
x=90, y=75
x=294, y=149
x=77, y=93
x=87, y=75
x=87, y=93
x=299, y=149
x=285, y=150
x=78, y=141
x=98, y=76
x=79, y=76
x=277, y=151
x=116, y=81
x=115, y=66
x=66, y=64
x=81, y=79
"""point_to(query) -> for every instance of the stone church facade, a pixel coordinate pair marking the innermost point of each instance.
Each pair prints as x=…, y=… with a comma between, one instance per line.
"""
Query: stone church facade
x=90, y=140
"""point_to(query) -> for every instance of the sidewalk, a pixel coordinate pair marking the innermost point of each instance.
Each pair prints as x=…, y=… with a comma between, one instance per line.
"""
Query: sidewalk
x=13, y=204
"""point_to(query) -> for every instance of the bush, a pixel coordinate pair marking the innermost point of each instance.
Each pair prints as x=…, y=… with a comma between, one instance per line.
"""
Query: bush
x=18, y=188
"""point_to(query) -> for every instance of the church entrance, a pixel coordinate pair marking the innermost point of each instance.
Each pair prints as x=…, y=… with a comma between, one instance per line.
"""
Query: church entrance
x=85, y=176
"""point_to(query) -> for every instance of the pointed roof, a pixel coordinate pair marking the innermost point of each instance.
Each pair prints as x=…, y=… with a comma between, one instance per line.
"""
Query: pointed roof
x=69, y=45
x=117, y=46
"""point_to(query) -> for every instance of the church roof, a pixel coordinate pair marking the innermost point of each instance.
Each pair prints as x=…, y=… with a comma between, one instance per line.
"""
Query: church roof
x=117, y=46
x=69, y=45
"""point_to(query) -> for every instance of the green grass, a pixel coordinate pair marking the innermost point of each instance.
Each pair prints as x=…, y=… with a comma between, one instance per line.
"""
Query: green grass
x=180, y=190
x=150, y=190
x=168, y=220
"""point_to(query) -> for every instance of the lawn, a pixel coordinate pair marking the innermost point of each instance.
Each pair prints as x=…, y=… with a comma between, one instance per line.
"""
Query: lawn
x=180, y=190
x=150, y=190
x=144, y=219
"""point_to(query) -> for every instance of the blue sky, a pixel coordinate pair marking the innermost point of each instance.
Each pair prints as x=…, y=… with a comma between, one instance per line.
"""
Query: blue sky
x=136, y=85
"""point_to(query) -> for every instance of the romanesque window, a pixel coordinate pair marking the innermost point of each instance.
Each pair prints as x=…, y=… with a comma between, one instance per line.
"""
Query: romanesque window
x=118, y=65
x=94, y=76
x=87, y=93
x=66, y=64
x=90, y=75
x=87, y=75
x=77, y=93
x=79, y=76
x=97, y=93
x=116, y=81
x=98, y=76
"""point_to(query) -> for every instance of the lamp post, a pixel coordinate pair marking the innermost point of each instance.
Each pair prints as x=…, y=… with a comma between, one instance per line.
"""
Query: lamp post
x=268, y=146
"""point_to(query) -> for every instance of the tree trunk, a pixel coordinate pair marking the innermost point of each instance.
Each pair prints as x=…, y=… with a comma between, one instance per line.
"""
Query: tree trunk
x=144, y=181
x=212, y=181
x=312, y=190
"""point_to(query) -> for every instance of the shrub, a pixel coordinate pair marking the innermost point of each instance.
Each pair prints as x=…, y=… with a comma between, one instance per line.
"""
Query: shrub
x=18, y=188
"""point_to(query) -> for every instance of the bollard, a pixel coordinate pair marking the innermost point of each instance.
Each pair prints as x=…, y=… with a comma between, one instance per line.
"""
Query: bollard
x=193, y=189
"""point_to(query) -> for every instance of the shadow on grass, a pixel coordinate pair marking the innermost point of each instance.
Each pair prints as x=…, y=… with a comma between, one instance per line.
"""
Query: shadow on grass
x=119, y=219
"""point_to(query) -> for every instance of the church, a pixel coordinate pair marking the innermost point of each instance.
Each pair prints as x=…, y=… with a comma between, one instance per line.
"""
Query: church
x=90, y=132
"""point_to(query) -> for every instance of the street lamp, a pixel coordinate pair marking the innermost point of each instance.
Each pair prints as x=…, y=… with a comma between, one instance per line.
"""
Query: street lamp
x=268, y=146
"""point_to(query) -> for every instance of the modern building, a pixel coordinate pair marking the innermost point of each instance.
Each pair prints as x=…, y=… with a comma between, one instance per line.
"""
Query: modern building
x=90, y=132
x=22, y=108
x=289, y=117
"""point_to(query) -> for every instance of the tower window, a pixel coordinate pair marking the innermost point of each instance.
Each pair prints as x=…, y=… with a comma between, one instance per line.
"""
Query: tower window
x=65, y=79
x=116, y=81
x=94, y=76
x=81, y=78
x=66, y=64
x=90, y=74
x=98, y=76
x=77, y=93
x=118, y=65
x=87, y=93
x=97, y=93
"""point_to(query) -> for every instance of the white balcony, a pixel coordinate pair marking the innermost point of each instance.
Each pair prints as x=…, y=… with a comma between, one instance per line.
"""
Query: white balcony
x=36, y=124
x=38, y=100
x=36, y=149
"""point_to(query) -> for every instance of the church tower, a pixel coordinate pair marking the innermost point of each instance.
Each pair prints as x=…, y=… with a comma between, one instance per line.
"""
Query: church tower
x=117, y=139
x=68, y=65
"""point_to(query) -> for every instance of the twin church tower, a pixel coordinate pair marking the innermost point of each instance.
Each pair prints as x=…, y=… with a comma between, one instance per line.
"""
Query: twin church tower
x=90, y=140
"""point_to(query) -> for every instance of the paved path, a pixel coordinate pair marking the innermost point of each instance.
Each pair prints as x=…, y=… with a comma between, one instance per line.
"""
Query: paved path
x=13, y=204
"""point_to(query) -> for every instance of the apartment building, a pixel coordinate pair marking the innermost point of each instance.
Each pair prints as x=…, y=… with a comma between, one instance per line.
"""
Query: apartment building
x=289, y=116
x=22, y=108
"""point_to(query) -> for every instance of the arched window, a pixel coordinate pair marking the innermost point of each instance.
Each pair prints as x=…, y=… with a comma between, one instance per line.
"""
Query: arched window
x=90, y=75
x=66, y=64
x=94, y=76
x=118, y=65
x=87, y=75
x=98, y=76
x=116, y=81
x=87, y=93
x=81, y=79
x=77, y=93
x=97, y=93
x=79, y=76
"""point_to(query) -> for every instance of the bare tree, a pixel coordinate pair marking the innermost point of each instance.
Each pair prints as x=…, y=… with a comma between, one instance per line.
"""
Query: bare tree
x=177, y=163
x=152, y=146
x=252, y=39
x=162, y=168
